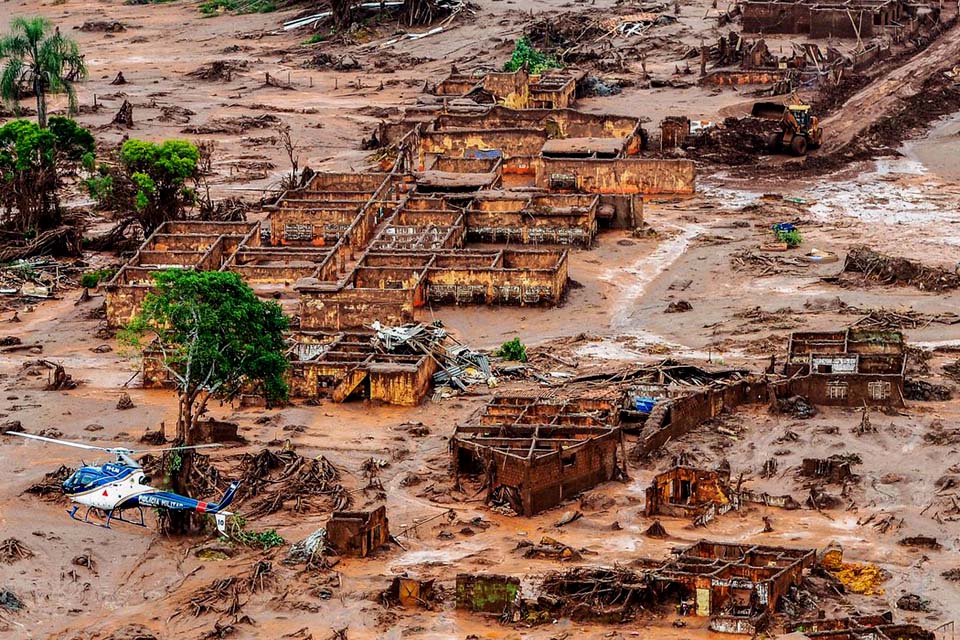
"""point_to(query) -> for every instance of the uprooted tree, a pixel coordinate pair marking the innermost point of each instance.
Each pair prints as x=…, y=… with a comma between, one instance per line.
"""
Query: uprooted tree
x=216, y=339
x=33, y=162
x=39, y=62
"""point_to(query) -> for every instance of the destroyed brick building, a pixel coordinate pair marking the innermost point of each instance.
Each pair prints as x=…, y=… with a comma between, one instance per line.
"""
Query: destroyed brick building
x=737, y=586
x=204, y=246
x=860, y=19
x=358, y=533
x=394, y=365
x=849, y=368
x=686, y=491
x=533, y=454
x=875, y=627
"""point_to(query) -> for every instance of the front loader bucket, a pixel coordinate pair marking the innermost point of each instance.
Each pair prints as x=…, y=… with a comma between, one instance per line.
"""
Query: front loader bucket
x=769, y=110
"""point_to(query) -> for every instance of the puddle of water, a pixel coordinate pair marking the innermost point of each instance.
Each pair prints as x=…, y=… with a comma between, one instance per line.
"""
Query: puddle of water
x=898, y=191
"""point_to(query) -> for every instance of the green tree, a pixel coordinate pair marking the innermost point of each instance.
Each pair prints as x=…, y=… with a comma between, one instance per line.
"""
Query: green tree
x=159, y=173
x=32, y=161
x=215, y=338
x=40, y=62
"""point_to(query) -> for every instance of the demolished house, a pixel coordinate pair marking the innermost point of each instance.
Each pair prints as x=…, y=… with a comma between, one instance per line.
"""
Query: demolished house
x=553, y=89
x=201, y=246
x=874, y=627
x=738, y=586
x=847, y=368
x=532, y=454
x=703, y=494
x=860, y=19
x=348, y=249
x=687, y=492
x=394, y=365
x=358, y=533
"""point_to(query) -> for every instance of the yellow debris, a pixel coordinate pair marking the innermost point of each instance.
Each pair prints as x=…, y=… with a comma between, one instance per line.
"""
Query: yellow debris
x=862, y=578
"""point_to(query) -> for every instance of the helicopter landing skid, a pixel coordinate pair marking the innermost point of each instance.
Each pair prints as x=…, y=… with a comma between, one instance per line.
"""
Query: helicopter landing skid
x=112, y=514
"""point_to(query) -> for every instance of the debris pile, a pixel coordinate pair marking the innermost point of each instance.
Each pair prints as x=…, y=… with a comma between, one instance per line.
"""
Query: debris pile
x=125, y=401
x=270, y=480
x=459, y=366
x=275, y=478
x=925, y=391
x=796, y=406
x=888, y=269
x=10, y=601
x=549, y=549
x=51, y=487
x=912, y=602
x=590, y=592
x=12, y=550
x=738, y=141
x=888, y=320
x=234, y=125
x=36, y=278
x=219, y=70
x=310, y=551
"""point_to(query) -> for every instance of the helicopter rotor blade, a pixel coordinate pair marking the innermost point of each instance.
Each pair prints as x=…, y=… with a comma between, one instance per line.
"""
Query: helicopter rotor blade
x=66, y=443
x=194, y=446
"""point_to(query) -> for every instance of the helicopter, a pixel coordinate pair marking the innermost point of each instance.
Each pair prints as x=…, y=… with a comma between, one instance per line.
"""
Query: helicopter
x=115, y=487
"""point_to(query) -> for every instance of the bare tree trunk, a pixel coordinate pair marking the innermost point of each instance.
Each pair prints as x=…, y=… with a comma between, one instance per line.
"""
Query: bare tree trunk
x=183, y=522
x=41, y=103
x=342, y=14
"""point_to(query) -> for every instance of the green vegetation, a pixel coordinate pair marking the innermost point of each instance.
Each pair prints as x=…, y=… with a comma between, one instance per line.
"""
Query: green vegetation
x=239, y=7
x=791, y=237
x=216, y=339
x=157, y=175
x=513, y=350
x=32, y=159
x=40, y=61
x=315, y=38
x=264, y=539
x=525, y=54
x=91, y=279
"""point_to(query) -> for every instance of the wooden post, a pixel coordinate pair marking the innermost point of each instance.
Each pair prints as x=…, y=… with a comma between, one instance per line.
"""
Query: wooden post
x=703, y=58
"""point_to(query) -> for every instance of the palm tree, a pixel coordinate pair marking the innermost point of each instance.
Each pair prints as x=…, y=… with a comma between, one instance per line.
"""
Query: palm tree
x=40, y=62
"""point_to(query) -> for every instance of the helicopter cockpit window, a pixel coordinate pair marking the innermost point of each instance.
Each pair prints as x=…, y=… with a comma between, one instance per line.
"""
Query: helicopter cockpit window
x=79, y=479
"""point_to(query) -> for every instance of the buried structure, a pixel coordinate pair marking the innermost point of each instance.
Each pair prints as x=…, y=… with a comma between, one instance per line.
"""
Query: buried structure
x=848, y=367
x=345, y=249
x=531, y=455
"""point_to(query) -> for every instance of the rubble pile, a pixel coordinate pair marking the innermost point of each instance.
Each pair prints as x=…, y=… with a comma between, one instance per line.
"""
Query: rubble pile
x=51, y=487
x=589, y=592
x=459, y=366
x=738, y=141
x=37, y=278
x=925, y=391
x=889, y=320
x=270, y=480
x=12, y=550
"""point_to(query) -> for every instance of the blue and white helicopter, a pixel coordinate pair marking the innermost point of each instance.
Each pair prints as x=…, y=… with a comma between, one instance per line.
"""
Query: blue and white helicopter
x=117, y=486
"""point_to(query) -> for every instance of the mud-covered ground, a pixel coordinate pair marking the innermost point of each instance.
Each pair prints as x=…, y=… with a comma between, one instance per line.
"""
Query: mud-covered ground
x=140, y=584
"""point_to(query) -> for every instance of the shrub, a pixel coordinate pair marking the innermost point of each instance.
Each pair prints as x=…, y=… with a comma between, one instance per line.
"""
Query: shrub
x=91, y=279
x=524, y=54
x=262, y=539
x=791, y=237
x=513, y=350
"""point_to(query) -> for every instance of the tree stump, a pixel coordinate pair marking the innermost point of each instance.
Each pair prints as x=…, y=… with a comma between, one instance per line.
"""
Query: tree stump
x=124, y=116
